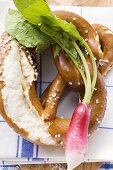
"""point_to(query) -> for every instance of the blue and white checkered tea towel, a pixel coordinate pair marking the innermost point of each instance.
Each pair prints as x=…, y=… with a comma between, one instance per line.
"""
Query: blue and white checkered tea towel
x=16, y=150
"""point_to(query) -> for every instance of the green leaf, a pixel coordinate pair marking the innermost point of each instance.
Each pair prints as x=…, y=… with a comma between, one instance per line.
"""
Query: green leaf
x=26, y=33
x=56, y=50
x=38, y=12
x=22, y=4
x=33, y=10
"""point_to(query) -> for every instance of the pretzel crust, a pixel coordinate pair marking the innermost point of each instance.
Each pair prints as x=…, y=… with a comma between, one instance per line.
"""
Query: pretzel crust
x=106, y=41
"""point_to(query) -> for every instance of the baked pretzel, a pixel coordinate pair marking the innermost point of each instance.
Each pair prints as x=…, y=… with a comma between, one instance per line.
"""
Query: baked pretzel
x=34, y=121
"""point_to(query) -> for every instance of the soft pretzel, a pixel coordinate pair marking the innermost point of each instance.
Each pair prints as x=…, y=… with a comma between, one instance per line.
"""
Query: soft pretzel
x=19, y=104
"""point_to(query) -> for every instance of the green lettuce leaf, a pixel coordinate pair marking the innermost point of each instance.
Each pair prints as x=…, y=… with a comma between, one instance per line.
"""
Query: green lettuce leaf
x=30, y=10
x=26, y=33
x=38, y=12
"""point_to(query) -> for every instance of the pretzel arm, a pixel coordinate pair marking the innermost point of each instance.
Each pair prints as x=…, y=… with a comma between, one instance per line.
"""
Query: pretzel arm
x=52, y=98
x=106, y=41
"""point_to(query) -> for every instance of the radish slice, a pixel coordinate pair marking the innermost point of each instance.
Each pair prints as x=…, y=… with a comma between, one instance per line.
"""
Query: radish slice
x=76, y=140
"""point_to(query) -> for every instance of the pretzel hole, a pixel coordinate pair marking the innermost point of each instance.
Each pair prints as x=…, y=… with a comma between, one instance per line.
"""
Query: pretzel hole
x=101, y=45
x=67, y=103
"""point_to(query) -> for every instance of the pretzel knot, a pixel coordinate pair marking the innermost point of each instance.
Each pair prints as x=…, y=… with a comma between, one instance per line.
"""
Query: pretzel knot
x=34, y=118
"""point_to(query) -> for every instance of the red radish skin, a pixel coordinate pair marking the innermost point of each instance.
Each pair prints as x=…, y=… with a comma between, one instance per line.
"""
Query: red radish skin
x=76, y=140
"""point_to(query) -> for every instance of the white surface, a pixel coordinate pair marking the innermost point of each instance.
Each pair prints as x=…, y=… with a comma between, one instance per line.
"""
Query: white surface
x=101, y=143
x=100, y=15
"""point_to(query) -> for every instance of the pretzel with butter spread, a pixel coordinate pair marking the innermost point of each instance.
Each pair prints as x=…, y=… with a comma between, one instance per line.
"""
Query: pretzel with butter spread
x=20, y=106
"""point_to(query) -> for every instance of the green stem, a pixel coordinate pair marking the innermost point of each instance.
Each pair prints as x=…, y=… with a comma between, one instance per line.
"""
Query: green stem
x=76, y=64
x=93, y=64
x=88, y=95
